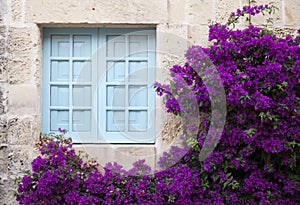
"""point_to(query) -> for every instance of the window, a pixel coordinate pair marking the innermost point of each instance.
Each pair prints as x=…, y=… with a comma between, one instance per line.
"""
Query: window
x=98, y=84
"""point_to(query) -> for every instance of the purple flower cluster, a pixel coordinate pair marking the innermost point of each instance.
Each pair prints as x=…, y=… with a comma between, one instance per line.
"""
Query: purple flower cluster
x=257, y=158
x=251, y=11
x=59, y=176
x=56, y=175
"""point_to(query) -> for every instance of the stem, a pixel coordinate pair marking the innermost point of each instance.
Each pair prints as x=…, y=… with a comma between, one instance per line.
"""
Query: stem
x=249, y=3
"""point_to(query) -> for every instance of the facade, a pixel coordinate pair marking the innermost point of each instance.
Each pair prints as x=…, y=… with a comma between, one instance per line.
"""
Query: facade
x=43, y=42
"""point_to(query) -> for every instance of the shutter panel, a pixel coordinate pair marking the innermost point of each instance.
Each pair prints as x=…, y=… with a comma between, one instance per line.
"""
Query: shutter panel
x=68, y=82
x=126, y=109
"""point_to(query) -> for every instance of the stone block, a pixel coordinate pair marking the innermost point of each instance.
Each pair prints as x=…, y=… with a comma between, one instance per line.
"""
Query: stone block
x=3, y=10
x=172, y=43
x=22, y=131
x=199, y=11
x=277, y=16
x=37, y=73
x=19, y=69
x=172, y=39
x=20, y=40
x=2, y=46
x=2, y=40
x=292, y=14
x=165, y=62
x=262, y=19
x=172, y=128
x=282, y=32
x=3, y=159
x=18, y=159
x=22, y=99
x=93, y=11
x=176, y=11
x=123, y=155
x=3, y=132
x=7, y=189
x=16, y=10
x=198, y=34
x=3, y=100
x=2, y=32
x=24, y=48
x=6, y=194
x=7, y=197
x=3, y=63
x=224, y=8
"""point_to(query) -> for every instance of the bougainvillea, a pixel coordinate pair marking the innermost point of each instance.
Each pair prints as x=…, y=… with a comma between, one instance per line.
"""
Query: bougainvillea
x=59, y=176
x=257, y=159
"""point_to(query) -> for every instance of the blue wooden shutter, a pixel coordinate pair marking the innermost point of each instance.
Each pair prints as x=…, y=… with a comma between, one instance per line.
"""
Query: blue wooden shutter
x=69, y=82
x=126, y=95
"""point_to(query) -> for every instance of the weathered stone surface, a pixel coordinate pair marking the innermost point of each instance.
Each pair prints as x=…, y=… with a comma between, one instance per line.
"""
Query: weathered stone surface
x=22, y=131
x=22, y=51
x=3, y=61
x=176, y=11
x=7, y=196
x=114, y=11
x=125, y=156
x=18, y=159
x=3, y=11
x=172, y=128
x=198, y=34
x=282, y=32
x=19, y=69
x=3, y=100
x=20, y=41
x=199, y=12
x=223, y=9
x=3, y=159
x=7, y=189
x=2, y=46
x=277, y=16
x=4, y=195
x=22, y=99
x=37, y=57
x=172, y=43
x=292, y=14
x=2, y=32
x=16, y=10
x=37, y=75
x=172, y=39
x=165, y=62
x=3, y=131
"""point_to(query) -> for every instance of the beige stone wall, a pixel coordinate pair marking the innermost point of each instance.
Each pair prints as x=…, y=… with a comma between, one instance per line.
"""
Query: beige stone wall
x=179, y=24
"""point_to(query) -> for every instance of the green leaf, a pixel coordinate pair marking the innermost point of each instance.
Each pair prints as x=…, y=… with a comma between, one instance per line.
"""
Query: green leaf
x=225, y=184
x=250, y=132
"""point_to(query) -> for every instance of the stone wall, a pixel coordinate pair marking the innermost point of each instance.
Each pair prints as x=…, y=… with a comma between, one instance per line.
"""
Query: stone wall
x=179, y=24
